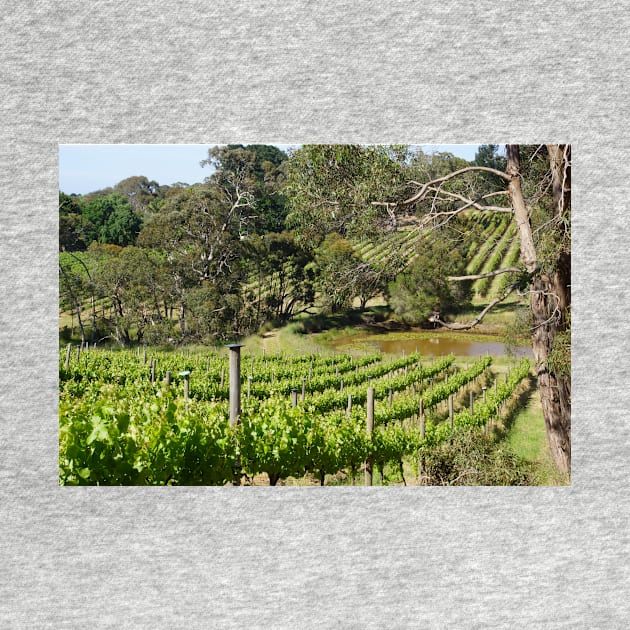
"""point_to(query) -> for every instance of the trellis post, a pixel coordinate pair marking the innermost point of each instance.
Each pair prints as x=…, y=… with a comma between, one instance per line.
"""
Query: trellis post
x=369, y=427
x=235, y=382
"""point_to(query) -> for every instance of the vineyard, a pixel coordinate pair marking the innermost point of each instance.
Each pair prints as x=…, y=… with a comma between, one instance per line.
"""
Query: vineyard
x=128, y=417
x=495, y=246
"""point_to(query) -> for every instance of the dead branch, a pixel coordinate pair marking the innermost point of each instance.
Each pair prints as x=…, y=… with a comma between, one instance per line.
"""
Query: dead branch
x=469, y=203
x=426, y=187
x=489, y=274
x=479, y=318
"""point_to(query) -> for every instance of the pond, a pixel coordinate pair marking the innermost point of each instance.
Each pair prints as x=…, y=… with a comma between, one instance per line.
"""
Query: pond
x=435, y=345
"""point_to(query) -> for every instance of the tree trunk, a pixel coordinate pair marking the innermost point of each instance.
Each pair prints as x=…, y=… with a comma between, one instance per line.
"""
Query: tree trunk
x=93, y=332
x=550, y=300
x=77, y=304
x=555, y=390
x=182, y=319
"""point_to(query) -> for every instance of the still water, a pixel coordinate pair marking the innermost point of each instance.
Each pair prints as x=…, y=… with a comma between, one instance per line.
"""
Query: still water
x=434, y=346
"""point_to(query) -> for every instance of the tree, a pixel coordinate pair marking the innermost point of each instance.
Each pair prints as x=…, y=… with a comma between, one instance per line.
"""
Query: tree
x=336, y=263
x=260, y=169
x=202, y=232
x=110, y=219
x=72, y=236
x=202, y=228
x=140, y=192
x=286, y=275
x=542, y=217
x=122, y=227
x=423, y=289
x=329, y=189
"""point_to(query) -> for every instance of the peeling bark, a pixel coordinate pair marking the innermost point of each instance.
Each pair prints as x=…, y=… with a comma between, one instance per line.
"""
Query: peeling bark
x=549, y=302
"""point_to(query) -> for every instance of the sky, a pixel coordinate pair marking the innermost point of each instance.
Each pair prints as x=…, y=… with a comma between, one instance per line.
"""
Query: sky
x=84, y=168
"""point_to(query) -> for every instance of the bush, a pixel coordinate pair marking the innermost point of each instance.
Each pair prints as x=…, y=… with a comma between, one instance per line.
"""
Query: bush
x=473, y=458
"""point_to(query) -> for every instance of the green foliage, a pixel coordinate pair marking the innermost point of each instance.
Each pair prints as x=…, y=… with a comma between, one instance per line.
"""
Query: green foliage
x=489, y=155
x=110, y=219
x=559, y=360
x=143, y=195
x=330, y=188
x=72, y=227
x=200, y=229
x=424, y=287
x=116, y=427
x=285, y=275
x=518, y=331
x=552, y=234
x=336, y=263
x=258, y=168
x=276, y=439
x=124, y=440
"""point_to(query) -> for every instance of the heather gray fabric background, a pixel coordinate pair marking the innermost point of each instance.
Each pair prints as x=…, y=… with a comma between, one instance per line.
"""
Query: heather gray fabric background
x=430, y=72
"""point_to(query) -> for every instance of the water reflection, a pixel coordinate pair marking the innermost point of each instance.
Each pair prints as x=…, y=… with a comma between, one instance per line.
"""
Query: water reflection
x=434, y=346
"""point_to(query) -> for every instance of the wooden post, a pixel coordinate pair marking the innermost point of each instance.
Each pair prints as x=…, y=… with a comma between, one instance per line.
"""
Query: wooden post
x=222, y=378
x=294, y=392
x=78, y=352
x=451, y=415
x=186, y=376
x=167, y=379
x=249, y=386
x=486, y=426
x=422, y=418
x=303, y=388
x=341, y=386
x=144, y=355
x=349, y=407
x=391, y=396
x=235, y=382
x=472, y=404
x=68, y=349
x=152, y=370
x=369, y=427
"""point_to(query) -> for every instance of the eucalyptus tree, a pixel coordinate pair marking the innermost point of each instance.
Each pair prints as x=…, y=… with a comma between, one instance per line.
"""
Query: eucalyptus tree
x=329, y=188
x=536, y=192
x=260, y=169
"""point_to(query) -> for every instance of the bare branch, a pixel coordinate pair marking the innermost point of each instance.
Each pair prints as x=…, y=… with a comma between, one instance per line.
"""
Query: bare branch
x=490, y=274
x=477, y=320
x=426, y=187
x=469, y=203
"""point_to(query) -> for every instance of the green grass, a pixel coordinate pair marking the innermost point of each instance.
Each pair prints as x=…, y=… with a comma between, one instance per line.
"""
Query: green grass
x=527, y=438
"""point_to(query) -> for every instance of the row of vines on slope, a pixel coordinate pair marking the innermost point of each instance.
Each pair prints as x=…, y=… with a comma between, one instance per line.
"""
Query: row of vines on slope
x=139, y=432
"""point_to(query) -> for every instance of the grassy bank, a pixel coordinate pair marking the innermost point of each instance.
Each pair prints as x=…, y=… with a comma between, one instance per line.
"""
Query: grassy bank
x=527, y=438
